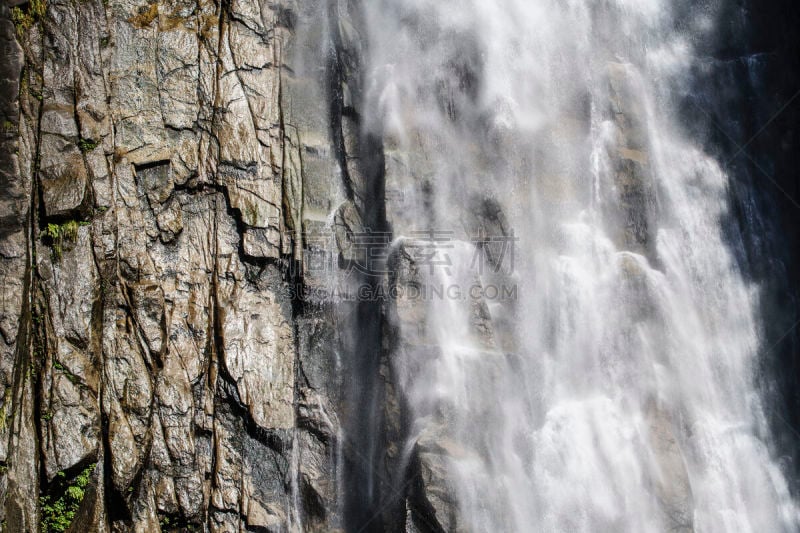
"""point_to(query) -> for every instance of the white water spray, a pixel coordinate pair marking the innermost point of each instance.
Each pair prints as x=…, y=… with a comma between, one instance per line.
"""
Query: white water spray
x=621, y=397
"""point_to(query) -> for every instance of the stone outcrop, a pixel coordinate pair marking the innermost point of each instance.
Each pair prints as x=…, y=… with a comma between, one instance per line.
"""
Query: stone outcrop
x=632, y=188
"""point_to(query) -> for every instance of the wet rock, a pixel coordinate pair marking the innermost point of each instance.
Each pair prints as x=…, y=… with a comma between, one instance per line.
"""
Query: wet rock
x=351, y=236
x=432, y=499
x=631, y=180
x=672, y=487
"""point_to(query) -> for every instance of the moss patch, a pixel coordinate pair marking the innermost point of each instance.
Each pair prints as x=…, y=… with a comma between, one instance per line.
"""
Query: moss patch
x=87, y=145
x=57, y=235
x=59, y=508
x=25, y=18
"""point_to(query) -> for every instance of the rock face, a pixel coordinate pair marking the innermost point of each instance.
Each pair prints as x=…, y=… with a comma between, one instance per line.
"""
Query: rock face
x=167, y=167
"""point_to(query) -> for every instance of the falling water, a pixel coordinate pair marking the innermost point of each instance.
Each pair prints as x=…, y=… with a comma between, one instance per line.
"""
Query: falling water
x=616, y=391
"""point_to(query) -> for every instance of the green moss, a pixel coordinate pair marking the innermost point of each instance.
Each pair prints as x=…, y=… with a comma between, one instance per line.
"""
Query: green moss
x=75, y=380
x=38, y=9
x=176, y=523
x=58, y=509
x=87, y=145
x=24, y=19
x=21, y=20
x=56, y=235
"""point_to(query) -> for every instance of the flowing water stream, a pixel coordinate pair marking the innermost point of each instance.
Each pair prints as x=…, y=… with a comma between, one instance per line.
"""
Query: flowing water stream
x=616, y=390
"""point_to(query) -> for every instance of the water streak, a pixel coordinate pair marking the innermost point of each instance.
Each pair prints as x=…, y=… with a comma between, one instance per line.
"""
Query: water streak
x=617, y=393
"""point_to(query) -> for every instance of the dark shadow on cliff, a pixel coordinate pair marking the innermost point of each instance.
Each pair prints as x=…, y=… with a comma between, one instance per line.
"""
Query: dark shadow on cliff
x=744, y=108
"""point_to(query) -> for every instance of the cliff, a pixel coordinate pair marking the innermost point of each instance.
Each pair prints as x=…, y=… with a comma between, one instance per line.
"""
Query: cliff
x=186, y=188
x=162, y=163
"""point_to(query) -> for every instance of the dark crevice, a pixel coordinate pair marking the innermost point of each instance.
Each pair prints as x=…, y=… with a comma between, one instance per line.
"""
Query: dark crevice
x=369, y=503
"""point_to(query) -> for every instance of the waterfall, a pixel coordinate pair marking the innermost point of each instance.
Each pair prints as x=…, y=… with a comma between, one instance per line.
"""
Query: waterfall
x=533, y=151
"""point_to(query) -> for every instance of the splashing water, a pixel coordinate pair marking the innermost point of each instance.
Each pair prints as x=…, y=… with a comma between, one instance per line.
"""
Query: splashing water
x=617, y=392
